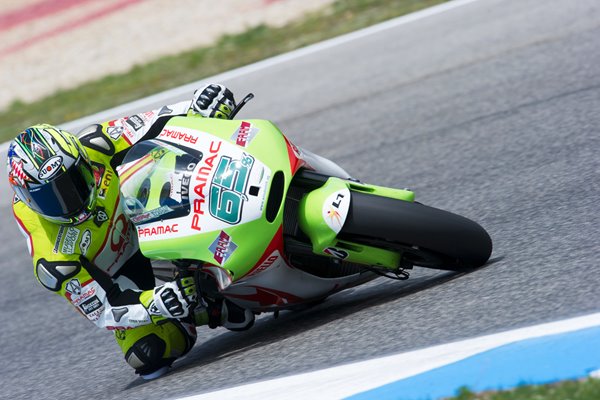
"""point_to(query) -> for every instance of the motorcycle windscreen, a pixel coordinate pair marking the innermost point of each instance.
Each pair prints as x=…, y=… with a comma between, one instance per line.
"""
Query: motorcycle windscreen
x=155, y=179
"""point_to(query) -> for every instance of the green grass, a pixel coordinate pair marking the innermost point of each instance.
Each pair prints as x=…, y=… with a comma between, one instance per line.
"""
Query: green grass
x=229, y=52
x=588, y=389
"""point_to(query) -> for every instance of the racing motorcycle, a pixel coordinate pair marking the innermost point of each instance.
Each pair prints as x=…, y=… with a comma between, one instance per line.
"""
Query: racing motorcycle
x=271, y=226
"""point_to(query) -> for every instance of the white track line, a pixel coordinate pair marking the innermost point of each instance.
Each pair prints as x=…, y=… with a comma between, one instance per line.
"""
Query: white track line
x=269, y=62
x=347, y=380
x=187, y=89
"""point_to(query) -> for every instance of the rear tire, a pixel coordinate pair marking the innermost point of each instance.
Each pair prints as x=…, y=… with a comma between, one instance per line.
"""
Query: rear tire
x=427, y=236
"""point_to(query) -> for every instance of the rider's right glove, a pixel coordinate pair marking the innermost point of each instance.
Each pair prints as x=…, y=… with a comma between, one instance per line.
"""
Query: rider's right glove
x=171, y=300
x=213, y=101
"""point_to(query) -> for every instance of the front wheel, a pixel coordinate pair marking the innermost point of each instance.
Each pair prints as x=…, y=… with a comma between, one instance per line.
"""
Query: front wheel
x=426, y=236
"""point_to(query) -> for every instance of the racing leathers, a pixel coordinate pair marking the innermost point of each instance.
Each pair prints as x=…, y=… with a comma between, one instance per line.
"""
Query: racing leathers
x=96, y=265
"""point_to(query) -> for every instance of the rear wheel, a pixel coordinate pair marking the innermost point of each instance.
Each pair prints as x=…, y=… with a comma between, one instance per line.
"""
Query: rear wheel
x=426, y=236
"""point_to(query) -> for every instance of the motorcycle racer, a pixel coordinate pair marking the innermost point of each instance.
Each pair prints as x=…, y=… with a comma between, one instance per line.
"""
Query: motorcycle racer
x=84, y=248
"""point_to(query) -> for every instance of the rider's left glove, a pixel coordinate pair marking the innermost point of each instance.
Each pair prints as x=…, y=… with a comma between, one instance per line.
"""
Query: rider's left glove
x=213, y=101
x=171, y=300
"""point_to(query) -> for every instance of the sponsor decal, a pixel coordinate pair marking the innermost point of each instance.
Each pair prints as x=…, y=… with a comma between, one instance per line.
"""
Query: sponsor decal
x=153, y=309
x=333, y=216
x=71, y=236
x=200, y=184
x=61, y=232
x=244, y=134
x=296, y=150
x=73, y=287
x=274, y=257
x=17, y=175
x=119, y=329
x=115, y=132
x=158, y=230
x=178, y=136
x=157, y=154
x=83, y=296
x=95, y=315
x=100, y=217
x=222, y=248
x=138, y=321
x=119, y=333
x=337, y=253
x=228, y=188
x=186, y=179
x=125, y=132
x=80, y=218
x=85, y=292
x=50, y=167
x=90, y=305
x=107, y=177
x=135, y=121
x=98, y=172
x=335, y=209
x=16, y=199
x=148, y=115
x=157, y=212
x=105, y=180
x=86, y=241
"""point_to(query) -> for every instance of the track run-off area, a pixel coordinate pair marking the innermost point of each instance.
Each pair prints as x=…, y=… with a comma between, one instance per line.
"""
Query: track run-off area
x=488, y=108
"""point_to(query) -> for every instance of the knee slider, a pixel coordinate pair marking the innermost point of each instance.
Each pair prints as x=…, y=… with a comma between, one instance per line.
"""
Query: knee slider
x=146, y=354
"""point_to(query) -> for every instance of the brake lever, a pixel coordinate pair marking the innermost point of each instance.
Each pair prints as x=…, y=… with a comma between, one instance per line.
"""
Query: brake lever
x=241, y=104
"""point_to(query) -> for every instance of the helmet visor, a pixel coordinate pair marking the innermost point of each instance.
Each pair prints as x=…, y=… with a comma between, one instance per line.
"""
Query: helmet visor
x=67, y=195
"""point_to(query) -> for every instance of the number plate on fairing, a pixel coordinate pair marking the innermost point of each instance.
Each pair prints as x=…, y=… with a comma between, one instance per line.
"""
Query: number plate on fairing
x=199, y=190
x=226, y=188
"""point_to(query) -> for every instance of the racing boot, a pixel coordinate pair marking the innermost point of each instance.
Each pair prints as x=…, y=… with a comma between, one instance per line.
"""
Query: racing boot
x=223, y=313
x=151, y=349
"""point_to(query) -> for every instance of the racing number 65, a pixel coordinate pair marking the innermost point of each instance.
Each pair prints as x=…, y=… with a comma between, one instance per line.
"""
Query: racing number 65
x=228, y=187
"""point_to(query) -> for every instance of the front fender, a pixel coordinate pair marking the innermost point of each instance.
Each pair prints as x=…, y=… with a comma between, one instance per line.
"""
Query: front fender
x=323, y=212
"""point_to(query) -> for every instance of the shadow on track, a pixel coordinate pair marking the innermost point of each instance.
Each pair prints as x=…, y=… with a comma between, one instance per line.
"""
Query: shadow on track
x=290, y=323
x=268, y=330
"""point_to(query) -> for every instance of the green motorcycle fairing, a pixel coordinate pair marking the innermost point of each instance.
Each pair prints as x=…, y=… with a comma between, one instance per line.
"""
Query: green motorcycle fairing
x=200, y=190
x=213, y=190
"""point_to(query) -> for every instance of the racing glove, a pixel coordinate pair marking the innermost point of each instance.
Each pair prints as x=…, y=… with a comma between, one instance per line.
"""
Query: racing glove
x=171, y=300
x=213, y=101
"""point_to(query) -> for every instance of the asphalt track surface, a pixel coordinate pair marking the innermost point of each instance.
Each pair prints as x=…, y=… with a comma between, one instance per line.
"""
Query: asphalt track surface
x=491, y=110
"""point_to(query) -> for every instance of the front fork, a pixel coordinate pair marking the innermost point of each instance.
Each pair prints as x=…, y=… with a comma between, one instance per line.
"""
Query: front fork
x=323, y=211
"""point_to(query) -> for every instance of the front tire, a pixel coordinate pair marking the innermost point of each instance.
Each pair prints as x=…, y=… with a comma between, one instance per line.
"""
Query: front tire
x=425, y=235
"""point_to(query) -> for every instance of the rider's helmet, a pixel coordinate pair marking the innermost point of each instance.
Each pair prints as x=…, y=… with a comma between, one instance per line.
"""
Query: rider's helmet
x=50, y=172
